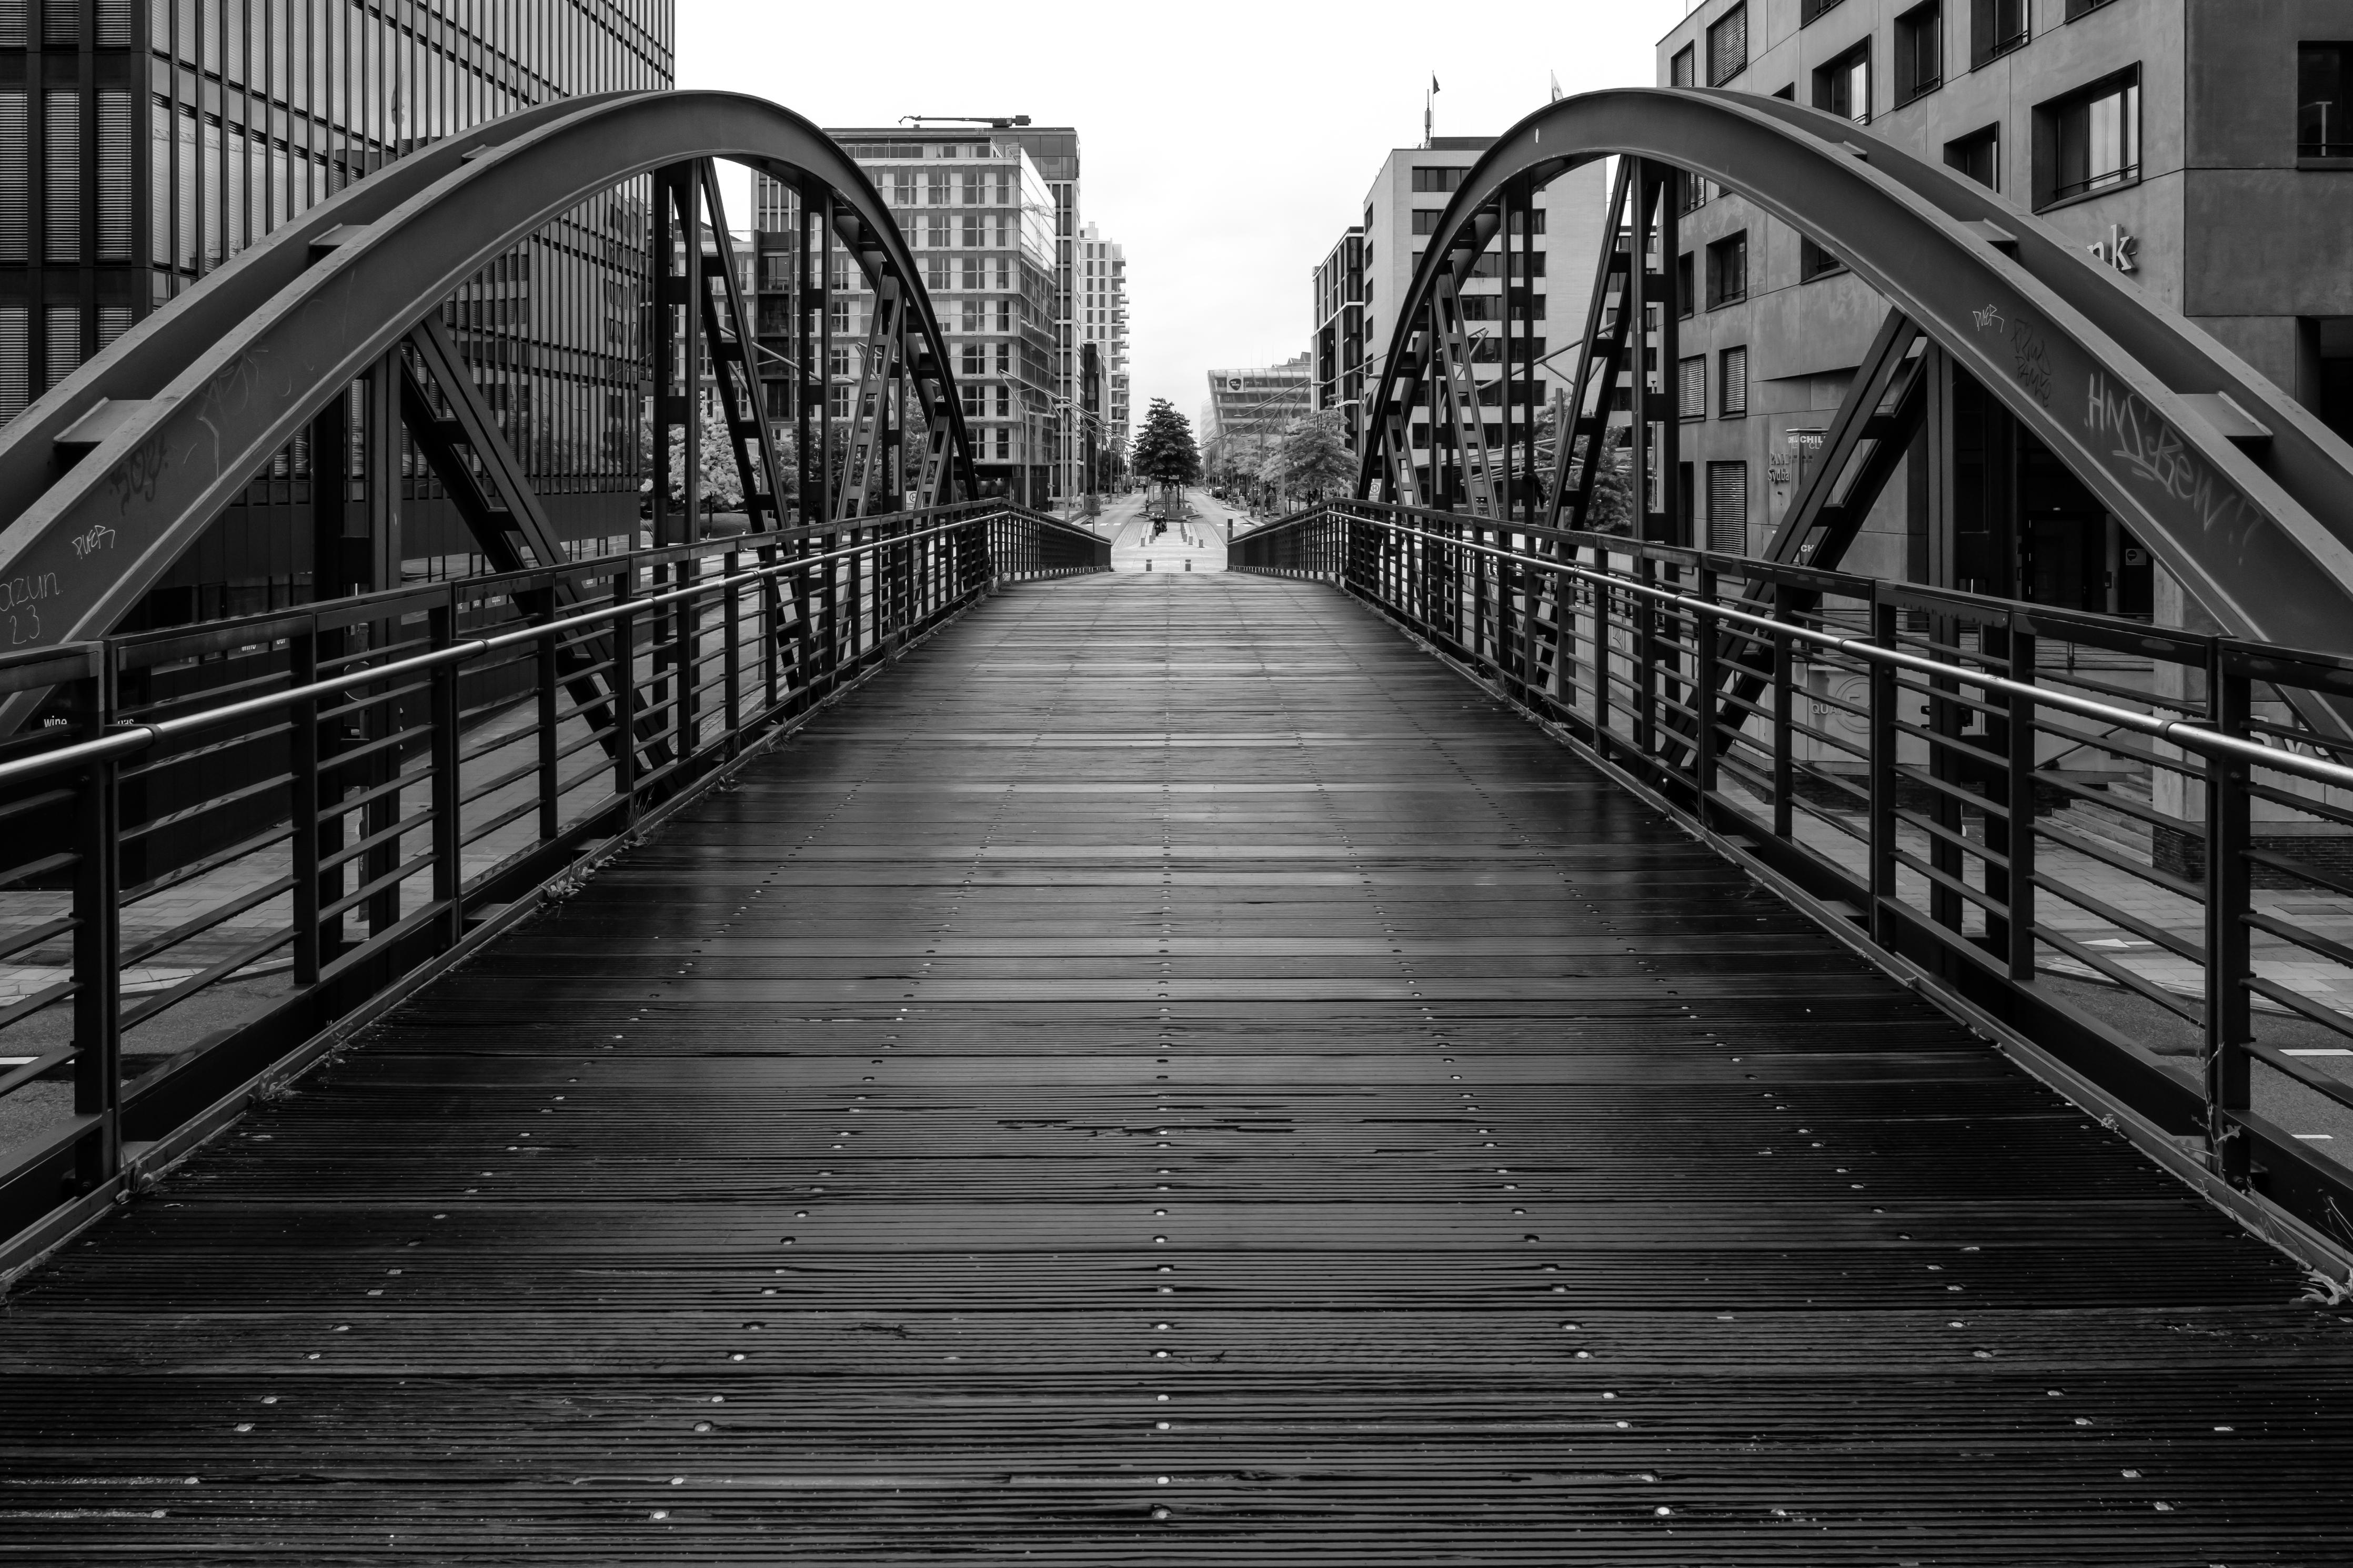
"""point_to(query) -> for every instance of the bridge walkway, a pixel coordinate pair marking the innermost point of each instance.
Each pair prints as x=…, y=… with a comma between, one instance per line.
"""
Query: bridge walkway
x=1169, y=1074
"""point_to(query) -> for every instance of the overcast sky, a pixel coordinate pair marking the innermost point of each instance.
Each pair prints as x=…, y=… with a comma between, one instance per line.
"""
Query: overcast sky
x=1226, y=143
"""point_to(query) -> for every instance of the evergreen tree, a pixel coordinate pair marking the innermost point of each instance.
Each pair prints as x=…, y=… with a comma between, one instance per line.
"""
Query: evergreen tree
x=1164, y=451
x=1311, y=460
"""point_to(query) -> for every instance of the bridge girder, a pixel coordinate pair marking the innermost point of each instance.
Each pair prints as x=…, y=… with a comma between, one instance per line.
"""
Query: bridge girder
x=109, y=477
x=2242, y=493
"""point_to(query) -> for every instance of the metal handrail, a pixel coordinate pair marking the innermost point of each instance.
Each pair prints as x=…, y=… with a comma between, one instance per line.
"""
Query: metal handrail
x=1652, y=670
x=132, y=738
x=2189, y=737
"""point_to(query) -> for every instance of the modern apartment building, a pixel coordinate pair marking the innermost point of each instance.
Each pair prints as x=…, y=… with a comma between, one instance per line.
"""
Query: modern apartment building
x=995, y=212
x=1101, y=309
x=1249, y=409
x=1401, y=212
x=1339, y=288
x=2203, y=149
x=142, y=145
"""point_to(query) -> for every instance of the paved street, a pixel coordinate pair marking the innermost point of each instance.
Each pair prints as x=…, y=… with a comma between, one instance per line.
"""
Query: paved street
x=1195, y=542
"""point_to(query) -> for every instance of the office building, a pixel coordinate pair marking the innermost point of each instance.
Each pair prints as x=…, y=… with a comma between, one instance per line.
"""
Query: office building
x=979, y=217
x=142, y=145
x=2198, y=148
x=1339, y=288
x=1102, y=319
x=993, y=212
x=1375, y=261
x=1248, y=411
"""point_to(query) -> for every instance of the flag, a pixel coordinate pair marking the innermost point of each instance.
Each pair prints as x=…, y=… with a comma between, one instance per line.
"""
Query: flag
x=1433, y=81
x=1556, y=86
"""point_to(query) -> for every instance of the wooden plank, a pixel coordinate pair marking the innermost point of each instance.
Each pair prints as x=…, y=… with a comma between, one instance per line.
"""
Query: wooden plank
x=1167, y=1027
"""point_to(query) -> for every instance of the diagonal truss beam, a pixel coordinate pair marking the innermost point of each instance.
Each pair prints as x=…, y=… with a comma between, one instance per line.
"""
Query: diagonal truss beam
x=486, y=482
x=869, y=412
x=1600, y=363
x=1459, y=389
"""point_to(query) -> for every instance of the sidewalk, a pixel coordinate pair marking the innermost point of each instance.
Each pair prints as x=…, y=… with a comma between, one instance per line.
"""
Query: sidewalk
x=1195, y=541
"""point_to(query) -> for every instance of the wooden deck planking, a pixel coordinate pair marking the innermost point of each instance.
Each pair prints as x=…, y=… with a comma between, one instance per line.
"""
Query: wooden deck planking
x=1168, y=1074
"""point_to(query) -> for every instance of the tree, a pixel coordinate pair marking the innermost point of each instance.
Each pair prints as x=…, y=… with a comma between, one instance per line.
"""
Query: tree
x=1612, y=509
x=1163, y=452
x=723, y=481
x=1312, y=460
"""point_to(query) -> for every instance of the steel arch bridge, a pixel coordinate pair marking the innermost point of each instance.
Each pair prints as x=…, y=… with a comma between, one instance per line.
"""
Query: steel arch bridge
x=111, y=475
x=2240, y=491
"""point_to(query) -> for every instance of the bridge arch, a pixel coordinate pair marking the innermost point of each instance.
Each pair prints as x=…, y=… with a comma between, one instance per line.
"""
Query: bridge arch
x=110, y=475
x=2241, y=492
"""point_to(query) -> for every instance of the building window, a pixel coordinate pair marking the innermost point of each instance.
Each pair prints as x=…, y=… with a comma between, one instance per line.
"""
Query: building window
x=1691, y=380
x=1919, y=51
x=2082, y=7
x=1978, y=155
x=1425, y=221
x=1813, y=8
x=1996, y=27
x=2324, y=127
x=1685, y=293
x=1426, y=178
x=1694, y=192
x=1732, y=382
x=2092, y=139
x=1814, y=262
x=1727, y=507
x=935, y=190
x=1843, y=85
x=1728, y=271
x=972, y=356
x=1727, y=47
x=1683, y=69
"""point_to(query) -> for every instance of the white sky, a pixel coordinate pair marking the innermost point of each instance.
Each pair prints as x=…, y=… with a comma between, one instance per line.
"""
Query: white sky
x=1225, y=143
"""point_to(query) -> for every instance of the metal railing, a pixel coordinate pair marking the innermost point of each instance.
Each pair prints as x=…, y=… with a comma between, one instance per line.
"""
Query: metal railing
x=285, y=819
x=2128, y=844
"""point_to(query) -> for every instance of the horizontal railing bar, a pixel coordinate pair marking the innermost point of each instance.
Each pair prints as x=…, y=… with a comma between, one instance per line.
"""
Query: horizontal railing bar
x=131, y=738
x=2185, y=735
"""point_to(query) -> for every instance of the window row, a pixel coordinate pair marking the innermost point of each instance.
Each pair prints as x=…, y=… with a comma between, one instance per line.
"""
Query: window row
x=991, y=188
x=1425, y=223
x=1842, y=85
x=1731, y=385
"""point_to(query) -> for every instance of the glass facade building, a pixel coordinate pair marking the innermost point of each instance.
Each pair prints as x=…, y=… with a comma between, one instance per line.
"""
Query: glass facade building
x=1052, y=155
x=980, y=218
x=1101, y=308
x=145, y=142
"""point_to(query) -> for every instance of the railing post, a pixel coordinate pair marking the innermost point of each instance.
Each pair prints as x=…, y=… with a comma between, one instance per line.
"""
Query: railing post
x=303, y=769
x=1785, y=695
x=1604, y=596
x=2229, y=1024
x=97, y=942
x=686, y=657
x=732, y=620
x=1881, y=684
x=770, y=616
x=550, y=691
x=1645, y=612
x=448, y=793
x=2020, y=849
x=1704, y=696
x=625, y=692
